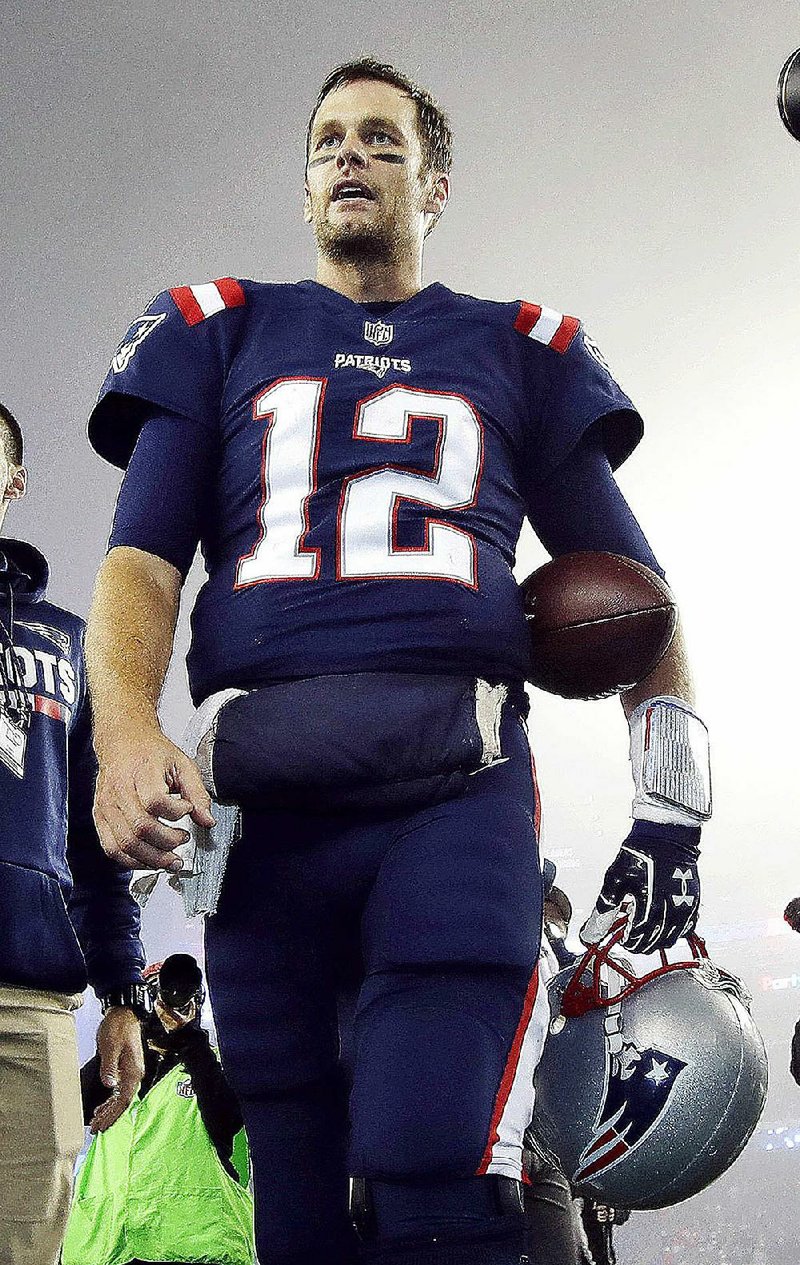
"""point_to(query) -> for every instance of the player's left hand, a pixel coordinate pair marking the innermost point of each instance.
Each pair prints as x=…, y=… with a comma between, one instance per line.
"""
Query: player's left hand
x=654, y=879
x=119, y=1044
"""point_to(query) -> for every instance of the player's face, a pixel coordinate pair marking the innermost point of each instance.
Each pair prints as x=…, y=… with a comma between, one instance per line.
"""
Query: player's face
x=367, y=192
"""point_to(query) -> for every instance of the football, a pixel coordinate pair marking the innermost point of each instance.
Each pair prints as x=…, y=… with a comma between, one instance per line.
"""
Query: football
x=598, y=623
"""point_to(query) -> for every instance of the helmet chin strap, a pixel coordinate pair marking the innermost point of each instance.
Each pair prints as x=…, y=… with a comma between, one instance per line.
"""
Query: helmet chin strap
x=599, y=992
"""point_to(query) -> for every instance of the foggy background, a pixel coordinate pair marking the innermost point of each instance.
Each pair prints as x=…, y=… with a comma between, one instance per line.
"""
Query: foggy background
x=621, y=162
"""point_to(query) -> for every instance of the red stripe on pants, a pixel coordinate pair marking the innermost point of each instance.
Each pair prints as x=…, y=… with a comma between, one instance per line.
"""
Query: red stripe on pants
x=512, y=1063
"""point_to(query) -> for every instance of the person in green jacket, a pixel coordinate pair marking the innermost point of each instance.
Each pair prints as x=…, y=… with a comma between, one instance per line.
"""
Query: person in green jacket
x=165, y=1180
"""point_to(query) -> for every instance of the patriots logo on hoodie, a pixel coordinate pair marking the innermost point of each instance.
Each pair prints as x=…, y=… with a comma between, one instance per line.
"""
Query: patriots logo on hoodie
x=637, y=1090
x=56, y=635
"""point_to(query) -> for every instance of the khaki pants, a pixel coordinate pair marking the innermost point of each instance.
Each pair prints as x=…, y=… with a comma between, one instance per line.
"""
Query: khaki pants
x=41, y=1123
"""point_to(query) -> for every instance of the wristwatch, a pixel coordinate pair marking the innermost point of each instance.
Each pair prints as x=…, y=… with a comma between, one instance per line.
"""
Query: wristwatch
x=135, y=997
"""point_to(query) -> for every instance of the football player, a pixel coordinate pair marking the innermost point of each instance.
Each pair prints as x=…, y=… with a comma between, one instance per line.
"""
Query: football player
x=355, y=455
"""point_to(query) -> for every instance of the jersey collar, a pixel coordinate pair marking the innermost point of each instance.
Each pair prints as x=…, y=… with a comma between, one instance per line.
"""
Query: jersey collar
x=423, y=303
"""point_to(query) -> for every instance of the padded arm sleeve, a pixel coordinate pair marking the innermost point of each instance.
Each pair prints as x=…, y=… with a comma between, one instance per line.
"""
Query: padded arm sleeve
x=581, y=507
x=163, y=501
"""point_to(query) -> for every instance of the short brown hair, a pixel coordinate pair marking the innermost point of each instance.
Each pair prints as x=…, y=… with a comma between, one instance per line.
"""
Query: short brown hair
x=433, y=124
x=11, y=435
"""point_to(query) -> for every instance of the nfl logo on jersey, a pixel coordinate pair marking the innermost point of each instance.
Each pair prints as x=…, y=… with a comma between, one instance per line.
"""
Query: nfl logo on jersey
x=377, y=333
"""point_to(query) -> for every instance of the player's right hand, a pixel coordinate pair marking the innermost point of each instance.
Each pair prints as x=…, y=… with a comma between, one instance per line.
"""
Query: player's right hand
x=143, y=778
x=653, y=879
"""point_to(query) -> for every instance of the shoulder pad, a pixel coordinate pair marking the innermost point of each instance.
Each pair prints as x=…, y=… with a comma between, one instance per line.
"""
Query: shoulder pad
x=197, y=302
x=546, y=326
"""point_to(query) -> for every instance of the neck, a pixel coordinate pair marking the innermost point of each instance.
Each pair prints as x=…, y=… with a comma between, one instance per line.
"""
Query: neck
x=371, y=281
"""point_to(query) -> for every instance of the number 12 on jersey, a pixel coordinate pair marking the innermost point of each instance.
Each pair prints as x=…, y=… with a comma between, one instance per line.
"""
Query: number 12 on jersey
x=366, y=528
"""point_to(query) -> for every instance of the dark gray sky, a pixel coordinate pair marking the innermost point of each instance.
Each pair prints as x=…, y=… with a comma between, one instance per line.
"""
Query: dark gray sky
x=623, y=162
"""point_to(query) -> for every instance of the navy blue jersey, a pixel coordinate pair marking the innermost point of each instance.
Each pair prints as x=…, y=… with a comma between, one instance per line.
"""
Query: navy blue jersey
x=359, y=482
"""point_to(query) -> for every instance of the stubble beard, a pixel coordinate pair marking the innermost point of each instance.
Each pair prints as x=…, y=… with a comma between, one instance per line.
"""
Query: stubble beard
x=360, y=244
x=357, y=244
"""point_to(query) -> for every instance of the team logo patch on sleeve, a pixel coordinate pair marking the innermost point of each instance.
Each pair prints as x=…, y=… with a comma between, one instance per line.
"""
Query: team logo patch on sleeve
x=595, y=352
x=546, y=326
x=138, y=332
x=195, y=303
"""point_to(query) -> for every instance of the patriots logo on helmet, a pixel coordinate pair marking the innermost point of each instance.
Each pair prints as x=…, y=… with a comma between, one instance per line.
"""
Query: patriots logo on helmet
x=638, y=1086
x=633, y=1110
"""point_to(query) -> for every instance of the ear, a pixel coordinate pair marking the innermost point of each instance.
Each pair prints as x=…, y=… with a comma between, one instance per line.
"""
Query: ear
x=306, y=204
x=438, y=194
x=18, y=484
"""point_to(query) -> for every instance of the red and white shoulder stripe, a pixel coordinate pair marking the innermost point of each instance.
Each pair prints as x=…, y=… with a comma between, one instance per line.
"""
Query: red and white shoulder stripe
x=195, y=303
x=546, y=326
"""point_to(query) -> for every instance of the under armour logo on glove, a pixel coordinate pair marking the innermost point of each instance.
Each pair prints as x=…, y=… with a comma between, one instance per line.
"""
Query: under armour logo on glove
x=684, y=877
x=654, y=877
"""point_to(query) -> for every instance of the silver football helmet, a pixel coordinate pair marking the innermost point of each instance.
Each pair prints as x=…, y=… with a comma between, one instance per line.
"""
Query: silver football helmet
x=649, y=1085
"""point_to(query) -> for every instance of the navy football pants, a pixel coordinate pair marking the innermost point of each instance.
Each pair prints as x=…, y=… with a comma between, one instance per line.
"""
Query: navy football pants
x=432, y=921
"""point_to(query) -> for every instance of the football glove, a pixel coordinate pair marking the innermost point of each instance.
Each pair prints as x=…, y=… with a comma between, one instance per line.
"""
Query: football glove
x=654, y=878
